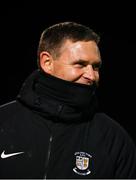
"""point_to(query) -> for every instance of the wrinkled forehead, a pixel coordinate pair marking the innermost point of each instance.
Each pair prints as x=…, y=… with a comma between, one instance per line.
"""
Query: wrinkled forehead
x=81, y=49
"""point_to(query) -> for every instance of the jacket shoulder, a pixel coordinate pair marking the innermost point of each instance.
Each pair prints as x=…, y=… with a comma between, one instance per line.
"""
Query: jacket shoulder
x=118, y=145
x=9, y=110
x=108, y=126
x=7, y=107
x=105, y=123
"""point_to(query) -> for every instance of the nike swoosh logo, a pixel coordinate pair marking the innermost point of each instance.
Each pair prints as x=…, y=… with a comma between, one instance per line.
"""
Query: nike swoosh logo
x=3, y=155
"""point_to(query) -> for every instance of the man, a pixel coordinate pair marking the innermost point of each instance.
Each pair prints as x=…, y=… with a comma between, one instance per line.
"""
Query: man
x=53, y=129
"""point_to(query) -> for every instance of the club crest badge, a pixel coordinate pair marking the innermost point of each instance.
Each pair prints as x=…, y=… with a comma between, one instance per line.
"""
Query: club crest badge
x=82, y=163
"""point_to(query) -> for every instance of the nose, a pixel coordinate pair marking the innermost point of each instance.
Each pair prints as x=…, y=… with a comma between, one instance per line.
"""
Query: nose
x=89, y=73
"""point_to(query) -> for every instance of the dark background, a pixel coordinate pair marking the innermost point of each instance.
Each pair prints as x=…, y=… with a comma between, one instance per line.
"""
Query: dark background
x=20, y=29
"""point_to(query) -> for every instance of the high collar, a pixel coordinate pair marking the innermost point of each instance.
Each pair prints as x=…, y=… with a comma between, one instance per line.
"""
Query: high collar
x=57, y=99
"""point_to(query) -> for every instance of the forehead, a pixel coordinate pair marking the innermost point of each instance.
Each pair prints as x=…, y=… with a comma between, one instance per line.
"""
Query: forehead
x=81, y=49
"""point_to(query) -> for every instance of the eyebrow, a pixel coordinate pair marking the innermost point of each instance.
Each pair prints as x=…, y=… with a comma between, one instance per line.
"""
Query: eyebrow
x=99, y=63
x=80, y=61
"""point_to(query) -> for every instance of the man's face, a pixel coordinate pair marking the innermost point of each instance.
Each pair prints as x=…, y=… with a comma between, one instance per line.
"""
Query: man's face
x=78, y=62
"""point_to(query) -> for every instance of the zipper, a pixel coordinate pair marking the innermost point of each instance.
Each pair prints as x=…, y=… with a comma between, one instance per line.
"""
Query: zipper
x=48, y=157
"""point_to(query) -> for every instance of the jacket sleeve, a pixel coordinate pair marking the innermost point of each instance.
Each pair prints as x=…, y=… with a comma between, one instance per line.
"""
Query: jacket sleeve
x=126, y=160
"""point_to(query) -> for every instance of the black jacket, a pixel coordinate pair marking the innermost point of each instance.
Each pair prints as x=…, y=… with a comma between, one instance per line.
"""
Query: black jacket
x=56, y=131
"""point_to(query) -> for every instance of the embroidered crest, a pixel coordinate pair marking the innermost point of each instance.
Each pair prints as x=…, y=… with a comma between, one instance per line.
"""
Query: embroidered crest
x=82, y=163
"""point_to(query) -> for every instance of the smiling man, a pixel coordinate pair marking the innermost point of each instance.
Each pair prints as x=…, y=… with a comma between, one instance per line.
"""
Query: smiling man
x=78, y=62
x=53, y=129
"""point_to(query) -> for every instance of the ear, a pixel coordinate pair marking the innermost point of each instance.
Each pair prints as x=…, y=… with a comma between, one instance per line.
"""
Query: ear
x=46, y=62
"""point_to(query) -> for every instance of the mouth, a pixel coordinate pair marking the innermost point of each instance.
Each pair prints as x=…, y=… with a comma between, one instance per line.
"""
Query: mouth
x=86, y=82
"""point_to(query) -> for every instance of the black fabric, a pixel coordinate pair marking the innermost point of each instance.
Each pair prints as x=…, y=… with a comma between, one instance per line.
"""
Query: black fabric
x=57, y=99
x=56, y=125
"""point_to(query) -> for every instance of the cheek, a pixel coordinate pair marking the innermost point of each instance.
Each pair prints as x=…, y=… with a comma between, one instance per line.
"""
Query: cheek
x=67, y=72
x=70, y=74
x=75, y=73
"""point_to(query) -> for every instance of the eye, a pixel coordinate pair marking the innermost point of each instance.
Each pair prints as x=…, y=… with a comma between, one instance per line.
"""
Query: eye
x=80, y=65
x=96, y=67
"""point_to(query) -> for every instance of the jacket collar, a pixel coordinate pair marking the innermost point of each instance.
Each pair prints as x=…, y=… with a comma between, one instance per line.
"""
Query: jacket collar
x=57, y=99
